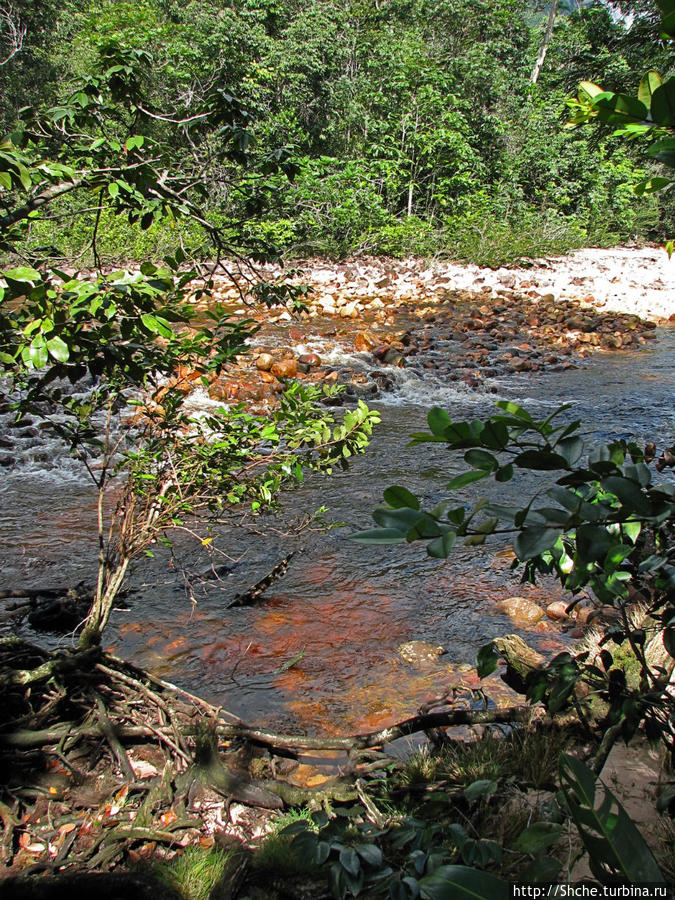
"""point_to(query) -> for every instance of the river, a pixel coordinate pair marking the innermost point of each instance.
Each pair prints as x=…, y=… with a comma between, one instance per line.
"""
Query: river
x=319, y=652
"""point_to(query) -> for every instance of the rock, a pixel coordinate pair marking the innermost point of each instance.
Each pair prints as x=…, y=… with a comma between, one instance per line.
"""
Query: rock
x=364, y=341
x=557, y=611
x=420, y=653
x=285, y=368
x=520, y=609
x=393, y=358
x=264, y=362
x=310, y=360
x=380, y=351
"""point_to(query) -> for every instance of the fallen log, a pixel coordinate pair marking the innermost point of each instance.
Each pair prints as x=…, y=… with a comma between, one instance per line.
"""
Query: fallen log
x=409, y=726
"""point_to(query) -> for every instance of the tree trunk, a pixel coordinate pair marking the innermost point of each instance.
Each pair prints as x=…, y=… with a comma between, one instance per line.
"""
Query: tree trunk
x=543, y=48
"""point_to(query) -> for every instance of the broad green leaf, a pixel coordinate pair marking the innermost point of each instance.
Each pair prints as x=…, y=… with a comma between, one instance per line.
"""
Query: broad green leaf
x=349, y=860
x=370, y=854
x=629, y=493
x=540, y=460
x=538, y=837
x=590, y=90
x=571, y=449
x=403, y=518
x=494, y=435
x=620, y=108
x=663, y=103
x=533, y=541
x=58, y=349
x=484, y=787
x=463, y=883
x=23, y=273
x=593, y=543
x=37, y=355
x=6, y=181
x=651, y=185
x=616, y=849
x=398, y=497
x=648, y=84
x=438, y=421
x=514, y=410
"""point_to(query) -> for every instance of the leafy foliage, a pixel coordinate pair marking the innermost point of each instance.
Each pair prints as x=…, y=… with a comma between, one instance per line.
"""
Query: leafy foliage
x=605, y=524
x=129, y=332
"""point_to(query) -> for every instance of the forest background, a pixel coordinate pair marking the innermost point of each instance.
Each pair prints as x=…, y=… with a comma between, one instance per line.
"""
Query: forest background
x=410, y=126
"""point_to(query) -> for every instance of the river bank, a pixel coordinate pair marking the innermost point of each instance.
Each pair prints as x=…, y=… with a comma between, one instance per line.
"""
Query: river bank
x=633, y=280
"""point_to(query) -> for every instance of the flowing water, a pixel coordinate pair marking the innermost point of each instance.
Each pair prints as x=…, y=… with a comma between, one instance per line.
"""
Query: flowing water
x=319, y=651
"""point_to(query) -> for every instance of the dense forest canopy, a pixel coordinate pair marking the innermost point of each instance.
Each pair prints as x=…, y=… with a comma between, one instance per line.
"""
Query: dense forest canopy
x=412, y=125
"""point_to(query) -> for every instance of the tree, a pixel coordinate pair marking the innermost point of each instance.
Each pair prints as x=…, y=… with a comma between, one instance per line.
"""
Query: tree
x=128, y=331
x=12, y=33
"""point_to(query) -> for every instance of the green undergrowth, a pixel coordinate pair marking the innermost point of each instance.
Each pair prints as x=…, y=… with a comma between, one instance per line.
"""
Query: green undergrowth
x=486, y=236
x=530, y=757
x=198, y=873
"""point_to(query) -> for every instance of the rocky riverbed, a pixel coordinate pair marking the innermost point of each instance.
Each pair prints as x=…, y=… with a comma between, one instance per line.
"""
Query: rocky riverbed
x=368, y=319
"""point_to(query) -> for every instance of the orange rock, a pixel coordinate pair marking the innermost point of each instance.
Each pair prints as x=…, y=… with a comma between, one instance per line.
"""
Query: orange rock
x=285, y=368
x=521, y=610
x=364, y=341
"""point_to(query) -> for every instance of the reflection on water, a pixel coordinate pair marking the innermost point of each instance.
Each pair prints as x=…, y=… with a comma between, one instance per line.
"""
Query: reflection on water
x=319, y=652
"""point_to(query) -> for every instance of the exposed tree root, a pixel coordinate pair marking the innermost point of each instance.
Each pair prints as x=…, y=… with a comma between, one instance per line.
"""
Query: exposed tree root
x=101, y=763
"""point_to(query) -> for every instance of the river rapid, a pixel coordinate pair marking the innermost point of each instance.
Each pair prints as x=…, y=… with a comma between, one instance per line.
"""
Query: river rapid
x=318, y=653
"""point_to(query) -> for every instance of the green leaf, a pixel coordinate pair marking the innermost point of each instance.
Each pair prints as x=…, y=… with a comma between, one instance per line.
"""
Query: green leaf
x=23, y=273
x=571, y=449
x=618, y=109
x=398, y=497
x=58, y=349
x=481, y=459
x=651, y=185
x=540, y=460
x=349, y=860
x=378, y=536
x=438, y=421
x=533, y=541
x=6, y=181
x=593, y=543
x=616, y=849
x=370, y=854
x=629, y=493
x=403, y=519
x=538, y=837
x=514, y=410
x=441, y=547
x=461, y=481
x=663, y=103
x=648, y=84
x=487, y=659
x=484, y=787
x=463, y=883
